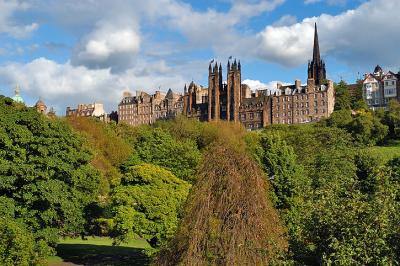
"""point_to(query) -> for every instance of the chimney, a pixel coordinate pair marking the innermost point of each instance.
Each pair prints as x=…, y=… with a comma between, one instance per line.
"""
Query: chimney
x=278, y=85
x=297, y=83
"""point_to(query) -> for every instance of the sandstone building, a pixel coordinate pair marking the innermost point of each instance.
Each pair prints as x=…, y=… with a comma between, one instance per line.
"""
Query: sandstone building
x=231, y=100
x=289, y=104
x=146, y=109
x=88, y=110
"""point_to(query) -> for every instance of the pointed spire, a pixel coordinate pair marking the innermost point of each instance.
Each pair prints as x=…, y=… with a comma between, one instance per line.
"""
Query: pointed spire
x=220, y=67
x=209, y=68
x=17, y=90
x=316, y=53
x=229, y=65
x=239, y=66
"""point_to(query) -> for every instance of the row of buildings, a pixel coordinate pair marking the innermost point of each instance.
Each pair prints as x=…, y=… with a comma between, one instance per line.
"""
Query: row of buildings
x=230, y=100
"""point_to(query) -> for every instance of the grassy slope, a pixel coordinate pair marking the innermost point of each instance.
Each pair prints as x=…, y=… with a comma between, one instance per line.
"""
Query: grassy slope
x=386, y=153
x=99, y=251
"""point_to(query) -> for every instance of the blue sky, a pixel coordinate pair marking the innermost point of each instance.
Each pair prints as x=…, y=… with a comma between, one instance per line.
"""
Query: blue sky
x=71, y=52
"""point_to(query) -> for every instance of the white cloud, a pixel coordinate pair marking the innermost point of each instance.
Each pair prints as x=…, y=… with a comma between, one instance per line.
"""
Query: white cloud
x=63, y=85
x=8, y=25
x=329, y=2
x=108, y=46
x=355, y=36
x=285, y=20
x=258, y=85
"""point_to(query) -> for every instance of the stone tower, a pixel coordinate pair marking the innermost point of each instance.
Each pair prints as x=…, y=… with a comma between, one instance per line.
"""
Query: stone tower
x=316, y=68
x=41, y=106
x=234, y=81
x=214, y=91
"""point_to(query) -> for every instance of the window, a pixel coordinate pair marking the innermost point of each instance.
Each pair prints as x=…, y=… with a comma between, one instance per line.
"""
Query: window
x=251, y=115
x=307, y=105
x=243, y=117
x=315, y=103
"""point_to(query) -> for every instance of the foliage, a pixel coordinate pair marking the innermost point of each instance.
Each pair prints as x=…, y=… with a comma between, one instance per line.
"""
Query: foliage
x=147, y=204
x=157, y=146
x=110, y=149
x=228, y=219
x=392, y=119
x=342, y=96
x=46, y=179
x=349, y=213
x=280, y=164
x=18, y=245
x=367, y=129
x=357, y=100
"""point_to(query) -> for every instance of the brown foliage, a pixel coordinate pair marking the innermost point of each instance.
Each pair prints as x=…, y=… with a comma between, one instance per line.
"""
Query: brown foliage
x=228, y=219
x=110, y=150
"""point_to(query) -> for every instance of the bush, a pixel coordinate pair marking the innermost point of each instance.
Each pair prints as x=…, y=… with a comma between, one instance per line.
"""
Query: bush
x=18, y=245
x=157, y=146
x=147, y=204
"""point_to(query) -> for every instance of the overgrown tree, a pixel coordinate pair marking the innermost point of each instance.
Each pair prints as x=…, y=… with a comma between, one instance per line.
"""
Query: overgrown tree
x=46, y=179
x=147, y=204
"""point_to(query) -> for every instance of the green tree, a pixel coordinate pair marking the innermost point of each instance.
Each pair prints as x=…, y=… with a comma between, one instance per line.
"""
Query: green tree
x=392, y=119
x=367, y=129
x=342, y=96
x=147, y=204
x=357, y=100
x=46, y=180
x=157, y=146
x=18, y=245
x=280, y=164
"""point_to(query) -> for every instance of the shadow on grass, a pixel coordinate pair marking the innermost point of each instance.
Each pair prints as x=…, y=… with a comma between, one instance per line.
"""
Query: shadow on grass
x=83, y=254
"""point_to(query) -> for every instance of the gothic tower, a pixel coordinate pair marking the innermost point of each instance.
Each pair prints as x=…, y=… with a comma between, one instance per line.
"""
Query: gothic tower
x=214, y=90
x=234, y=81
x=316, y=68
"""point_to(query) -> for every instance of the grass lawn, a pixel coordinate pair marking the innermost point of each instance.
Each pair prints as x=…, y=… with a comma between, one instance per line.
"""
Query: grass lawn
x=386, y=153
x=99, y=251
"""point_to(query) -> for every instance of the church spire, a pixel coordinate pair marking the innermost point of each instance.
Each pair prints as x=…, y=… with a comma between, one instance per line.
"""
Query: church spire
x=316, y=68
x=316, y=53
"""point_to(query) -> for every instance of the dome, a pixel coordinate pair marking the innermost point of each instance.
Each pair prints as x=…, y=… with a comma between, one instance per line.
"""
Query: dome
x=17, y=98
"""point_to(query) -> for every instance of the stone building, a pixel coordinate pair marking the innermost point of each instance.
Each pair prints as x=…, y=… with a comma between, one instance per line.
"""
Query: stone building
x=146, y=109
x=289, y=104
x=380, y=87
x=88, y=110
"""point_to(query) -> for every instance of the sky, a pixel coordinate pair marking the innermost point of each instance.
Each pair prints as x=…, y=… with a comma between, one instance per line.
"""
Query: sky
x=85, y=51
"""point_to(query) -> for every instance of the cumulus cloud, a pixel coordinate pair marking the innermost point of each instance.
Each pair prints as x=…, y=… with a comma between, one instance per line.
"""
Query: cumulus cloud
x=258, y=85
x=354, y=36
x=285, y=20
x=108, y=46
x=7, y=23
x=329, y=2
x=64, y=85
